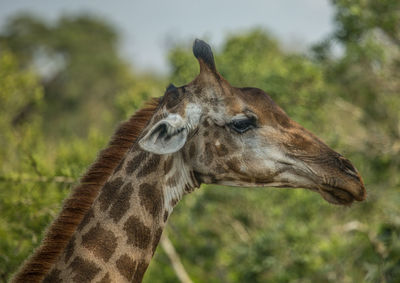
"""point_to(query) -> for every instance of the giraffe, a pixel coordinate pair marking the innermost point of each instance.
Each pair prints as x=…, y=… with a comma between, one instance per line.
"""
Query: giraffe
x=205, y=132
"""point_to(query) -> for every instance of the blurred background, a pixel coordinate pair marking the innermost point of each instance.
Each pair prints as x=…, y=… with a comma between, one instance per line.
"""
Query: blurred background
x=70, y=71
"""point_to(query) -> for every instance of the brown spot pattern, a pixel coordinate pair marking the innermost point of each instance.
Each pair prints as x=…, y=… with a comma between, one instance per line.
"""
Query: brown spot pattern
x=108, y=193
x=173, y=202
x=84, y=270
x=185, y=156
x=188, y=189
x=172, y=98
x=192, y=150
x=105, y=279
x=208, y=153
x=126, y=266
x=213, y=178
x=198, y=176
x=222, y=150
x=156, y=239
x=69, y=249
x=168, y=165
x=86, y=219
x=166, y=214
x=100, y=241
x=53, y=276
x=82, y=197
x=150, y=166
x=219, y=169
x=229, y=141
x=138, y=234
x=122, y=204
x=140, y=270
x=233, y=164
x=135, y=162
x=171, y=182
x=151, y=198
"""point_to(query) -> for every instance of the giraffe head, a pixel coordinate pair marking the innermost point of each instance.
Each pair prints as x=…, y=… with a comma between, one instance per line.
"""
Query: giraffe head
x=240, y=137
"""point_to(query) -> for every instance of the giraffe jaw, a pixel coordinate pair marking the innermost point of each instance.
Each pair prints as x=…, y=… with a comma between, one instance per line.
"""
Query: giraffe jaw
x=333, y=195
x=337, y=195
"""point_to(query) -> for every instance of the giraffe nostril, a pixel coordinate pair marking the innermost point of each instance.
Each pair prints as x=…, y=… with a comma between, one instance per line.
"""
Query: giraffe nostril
x=348, y=168
x=351, y=171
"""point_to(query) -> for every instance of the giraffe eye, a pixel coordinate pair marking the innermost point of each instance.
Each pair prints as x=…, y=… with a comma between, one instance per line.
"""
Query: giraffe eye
x=243, y=125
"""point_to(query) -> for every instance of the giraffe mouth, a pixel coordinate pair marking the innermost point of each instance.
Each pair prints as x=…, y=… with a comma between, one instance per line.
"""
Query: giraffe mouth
x=336, y=195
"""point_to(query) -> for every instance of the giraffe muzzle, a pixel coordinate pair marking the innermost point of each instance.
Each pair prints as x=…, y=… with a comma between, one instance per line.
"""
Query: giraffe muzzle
x=343, y=184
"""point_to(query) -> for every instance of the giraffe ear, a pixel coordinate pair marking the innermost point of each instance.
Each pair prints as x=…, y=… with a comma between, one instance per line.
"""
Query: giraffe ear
x=167, y=136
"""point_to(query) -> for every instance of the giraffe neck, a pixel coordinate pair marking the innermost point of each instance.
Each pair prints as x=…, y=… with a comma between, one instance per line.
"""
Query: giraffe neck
x=119, y=234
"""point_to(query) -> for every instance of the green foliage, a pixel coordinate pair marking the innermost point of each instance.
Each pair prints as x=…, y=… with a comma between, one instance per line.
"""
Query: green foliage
x=53, y=121
x=355, y=18
x=80, y=68
x=33, y=178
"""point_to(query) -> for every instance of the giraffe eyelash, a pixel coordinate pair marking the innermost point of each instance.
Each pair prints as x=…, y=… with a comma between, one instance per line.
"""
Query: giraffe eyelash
x=242, y=125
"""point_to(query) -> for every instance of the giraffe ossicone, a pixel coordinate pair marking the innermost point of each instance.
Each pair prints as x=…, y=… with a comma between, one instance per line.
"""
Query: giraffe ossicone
x=205, y=132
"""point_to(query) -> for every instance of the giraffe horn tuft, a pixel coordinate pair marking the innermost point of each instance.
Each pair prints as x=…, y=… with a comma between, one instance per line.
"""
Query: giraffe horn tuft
x=170, y=87
x=202, y=51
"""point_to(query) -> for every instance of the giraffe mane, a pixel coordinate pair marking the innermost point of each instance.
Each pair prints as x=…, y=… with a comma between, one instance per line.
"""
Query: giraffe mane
x=83, y=195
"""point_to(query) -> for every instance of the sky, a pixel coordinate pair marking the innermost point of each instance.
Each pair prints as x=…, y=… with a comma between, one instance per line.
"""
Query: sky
x=149, y=27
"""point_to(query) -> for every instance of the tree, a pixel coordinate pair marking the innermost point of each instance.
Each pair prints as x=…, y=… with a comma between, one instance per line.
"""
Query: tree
x=79, y=66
